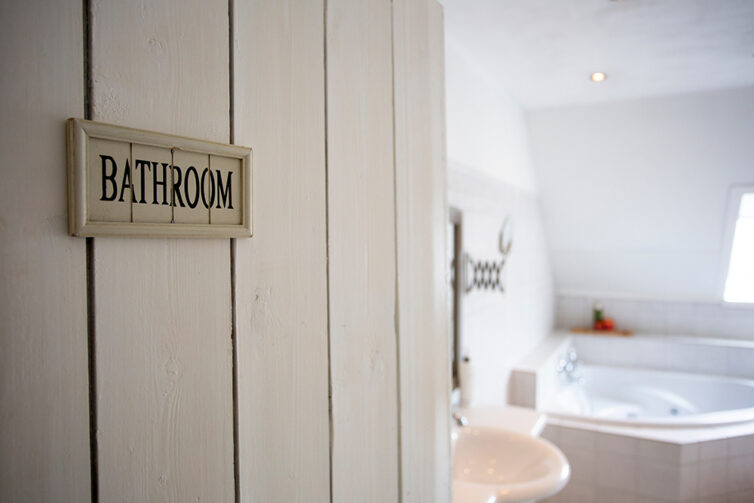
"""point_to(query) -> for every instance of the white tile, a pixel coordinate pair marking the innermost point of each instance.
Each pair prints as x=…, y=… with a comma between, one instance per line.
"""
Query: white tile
x=582, y=464
x=551, y=433
x=661, y=452
x=711, y=499
x=651, y=352
x=622, y=351
x=614, y=471
x=739, y=324
x=688, y=484
x=713, y=477
x=604, y=495
x=523, y=389
x=738, y=446
x=617, y=444
x=574, y=493
x=713, y=449
x=594, y=349
x=689, y=453
x=707, y=326
x=577, y=437
x=651, y=317
x=741, y=497
x=741, y=362
x=680, y=318
x=702, y=358
x=658, y=480
x=741, y=473
x=709, y=310
x=649, y=499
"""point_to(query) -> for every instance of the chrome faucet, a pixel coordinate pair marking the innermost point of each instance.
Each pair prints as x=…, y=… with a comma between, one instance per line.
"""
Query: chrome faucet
x=460, y=419
x=568, y=366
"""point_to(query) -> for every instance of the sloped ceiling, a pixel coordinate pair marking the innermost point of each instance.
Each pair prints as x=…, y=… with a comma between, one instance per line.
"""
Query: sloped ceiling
x=634, y=173
x=545, y=50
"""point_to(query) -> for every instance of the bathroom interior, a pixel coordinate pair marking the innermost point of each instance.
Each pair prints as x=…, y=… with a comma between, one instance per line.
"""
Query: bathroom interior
x=502, y=251
x=601, y=186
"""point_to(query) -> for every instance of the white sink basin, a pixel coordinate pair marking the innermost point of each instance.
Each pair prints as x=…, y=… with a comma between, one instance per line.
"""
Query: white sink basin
x=492, y=465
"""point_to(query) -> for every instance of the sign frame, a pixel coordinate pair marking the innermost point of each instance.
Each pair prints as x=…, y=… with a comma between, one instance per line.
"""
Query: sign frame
x=78, y=134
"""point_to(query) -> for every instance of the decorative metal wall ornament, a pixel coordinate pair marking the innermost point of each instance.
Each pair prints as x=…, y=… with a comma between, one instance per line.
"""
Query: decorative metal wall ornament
x=487, y=274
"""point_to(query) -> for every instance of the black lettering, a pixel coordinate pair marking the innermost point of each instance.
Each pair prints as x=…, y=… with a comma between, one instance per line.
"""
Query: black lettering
x=204, y=188
x=156, y=182
x=177, y=186
x=186, y=187
x=225, y=195
x=143, y=165
x=110, y=178
x=126, y=183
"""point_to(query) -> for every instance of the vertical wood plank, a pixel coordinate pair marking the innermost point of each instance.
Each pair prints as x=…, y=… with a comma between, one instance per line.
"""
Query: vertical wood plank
x=361, y=227
x=44, y=437
x=422, y=260
x=281, y=273
x=163, y=306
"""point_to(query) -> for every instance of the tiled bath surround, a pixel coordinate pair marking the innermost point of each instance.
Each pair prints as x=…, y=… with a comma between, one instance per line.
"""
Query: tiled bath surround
x=609, y=467
x=645, y=464
x=694, y=319
x=535, y=378
x=727, y=357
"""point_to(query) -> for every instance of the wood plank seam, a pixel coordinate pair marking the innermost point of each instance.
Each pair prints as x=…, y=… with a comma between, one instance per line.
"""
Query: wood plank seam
x=327, y=252
x=90, y=294
x=233, y=311
x=397, y=313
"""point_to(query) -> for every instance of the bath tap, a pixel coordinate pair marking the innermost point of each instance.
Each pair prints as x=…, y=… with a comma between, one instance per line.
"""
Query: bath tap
x=460, y=420
x=568, y=366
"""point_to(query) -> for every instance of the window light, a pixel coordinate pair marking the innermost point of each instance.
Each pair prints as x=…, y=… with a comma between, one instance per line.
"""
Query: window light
x=739, y=284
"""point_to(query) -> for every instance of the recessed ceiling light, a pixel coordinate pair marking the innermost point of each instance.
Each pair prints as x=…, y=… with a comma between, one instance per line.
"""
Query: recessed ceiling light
x=598, y=77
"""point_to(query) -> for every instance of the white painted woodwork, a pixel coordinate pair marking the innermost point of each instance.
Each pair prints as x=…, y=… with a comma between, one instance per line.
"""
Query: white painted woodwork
x=421, y=216
x=310, y=429
x=163, y=306
x=361, y=233
x=281, y=273
x=44, y=437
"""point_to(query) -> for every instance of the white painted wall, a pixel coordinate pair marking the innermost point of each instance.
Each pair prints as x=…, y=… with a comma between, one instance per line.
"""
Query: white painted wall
x=486, y=127
x=634, y=193
x=634, y=197
x=491, y=177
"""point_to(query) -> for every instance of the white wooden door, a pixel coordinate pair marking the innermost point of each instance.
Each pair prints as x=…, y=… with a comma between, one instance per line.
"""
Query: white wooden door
x=163, y=306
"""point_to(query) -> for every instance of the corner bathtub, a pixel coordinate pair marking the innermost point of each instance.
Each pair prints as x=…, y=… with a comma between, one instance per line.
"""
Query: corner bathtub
x=638, y=397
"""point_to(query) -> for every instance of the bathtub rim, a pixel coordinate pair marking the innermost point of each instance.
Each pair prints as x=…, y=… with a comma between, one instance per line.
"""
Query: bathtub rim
x=702, y=420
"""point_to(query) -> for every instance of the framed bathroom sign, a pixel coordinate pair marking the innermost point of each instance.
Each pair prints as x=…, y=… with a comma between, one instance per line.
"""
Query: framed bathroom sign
x=129, y=182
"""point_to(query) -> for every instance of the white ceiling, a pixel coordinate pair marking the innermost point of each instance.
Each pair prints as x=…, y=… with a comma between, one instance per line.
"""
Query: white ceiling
x=543, y=51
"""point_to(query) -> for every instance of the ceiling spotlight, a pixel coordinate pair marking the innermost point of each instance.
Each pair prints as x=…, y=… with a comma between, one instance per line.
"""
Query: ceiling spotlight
x=598, y=77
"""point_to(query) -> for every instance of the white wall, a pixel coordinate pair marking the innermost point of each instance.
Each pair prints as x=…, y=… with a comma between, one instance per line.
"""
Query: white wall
x=634, y=193
x=491, y=177
x=634, y=197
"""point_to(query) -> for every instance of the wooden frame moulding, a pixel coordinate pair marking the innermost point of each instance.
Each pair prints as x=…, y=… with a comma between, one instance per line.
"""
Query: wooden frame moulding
x=79, y=134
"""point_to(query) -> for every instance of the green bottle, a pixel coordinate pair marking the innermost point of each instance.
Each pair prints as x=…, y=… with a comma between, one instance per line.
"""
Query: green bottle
x=598, y=312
